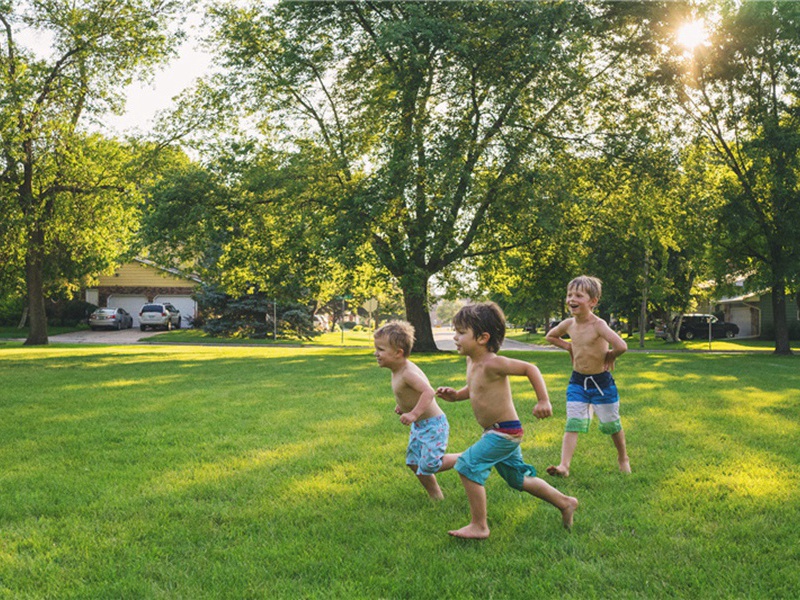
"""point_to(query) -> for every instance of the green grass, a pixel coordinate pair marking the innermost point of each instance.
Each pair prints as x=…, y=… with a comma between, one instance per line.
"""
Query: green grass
x=7, y=332
x=355, y=339
x=239, y=472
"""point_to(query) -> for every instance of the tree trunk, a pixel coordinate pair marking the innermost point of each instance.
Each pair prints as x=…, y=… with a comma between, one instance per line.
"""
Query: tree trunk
x=34, y=276
x=415, y=298
x=779, y=319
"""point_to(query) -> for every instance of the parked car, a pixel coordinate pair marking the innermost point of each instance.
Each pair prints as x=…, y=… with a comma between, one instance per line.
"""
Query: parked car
x=114, y=318
x=695, y=326
x=159, y=316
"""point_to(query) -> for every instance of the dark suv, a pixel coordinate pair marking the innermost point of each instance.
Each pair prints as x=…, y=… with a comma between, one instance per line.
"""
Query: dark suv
x=695, y=326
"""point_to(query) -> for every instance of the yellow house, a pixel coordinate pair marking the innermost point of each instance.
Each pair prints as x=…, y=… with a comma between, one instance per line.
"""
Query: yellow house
x=142, y=281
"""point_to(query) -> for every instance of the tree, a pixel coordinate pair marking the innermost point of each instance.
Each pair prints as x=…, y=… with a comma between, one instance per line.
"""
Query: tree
x=742, y=90
x=67, y=192
x=424, y=112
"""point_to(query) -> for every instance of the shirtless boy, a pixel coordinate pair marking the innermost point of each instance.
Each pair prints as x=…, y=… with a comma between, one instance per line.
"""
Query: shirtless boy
x=416, y=404
x=594, y=348
x=480, y=330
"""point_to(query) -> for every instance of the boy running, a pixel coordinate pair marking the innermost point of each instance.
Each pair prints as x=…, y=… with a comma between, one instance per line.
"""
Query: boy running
x=480, y=330
x=591, y=386
x=416, y=405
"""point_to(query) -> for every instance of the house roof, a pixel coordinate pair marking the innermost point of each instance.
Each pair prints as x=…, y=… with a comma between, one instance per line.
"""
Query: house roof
x=170, y=270
x=743, y=298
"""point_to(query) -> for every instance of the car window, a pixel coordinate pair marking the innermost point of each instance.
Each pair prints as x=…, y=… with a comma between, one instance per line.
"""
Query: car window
x=152, y=308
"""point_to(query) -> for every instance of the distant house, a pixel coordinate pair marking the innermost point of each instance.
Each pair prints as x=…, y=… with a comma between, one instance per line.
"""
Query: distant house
x=141, y=281
x=752, y=312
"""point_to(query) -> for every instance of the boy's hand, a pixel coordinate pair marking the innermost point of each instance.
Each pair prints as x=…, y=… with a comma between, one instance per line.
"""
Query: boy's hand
x=447, y=393
x=407, y=418
x=543, y=409
x=610, y=360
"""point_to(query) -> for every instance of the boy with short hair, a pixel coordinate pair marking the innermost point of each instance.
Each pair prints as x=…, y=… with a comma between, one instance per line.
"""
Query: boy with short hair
x=416, y=405
x=480, y=330
x=591, y=387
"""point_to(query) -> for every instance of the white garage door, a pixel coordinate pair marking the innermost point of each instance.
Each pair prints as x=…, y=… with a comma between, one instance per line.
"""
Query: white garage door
x=741, y=315
x=133, y=304
x=185, y=304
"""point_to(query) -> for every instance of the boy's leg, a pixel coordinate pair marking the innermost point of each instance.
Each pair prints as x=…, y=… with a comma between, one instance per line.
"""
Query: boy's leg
x=568, y=445
x=429, y=483
x=541, y=489
x=622, y=451
x=478, y=527
x=448, y=462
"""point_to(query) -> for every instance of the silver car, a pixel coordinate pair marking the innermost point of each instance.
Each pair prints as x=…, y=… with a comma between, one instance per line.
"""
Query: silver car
x=159, y=316
x=113, y=318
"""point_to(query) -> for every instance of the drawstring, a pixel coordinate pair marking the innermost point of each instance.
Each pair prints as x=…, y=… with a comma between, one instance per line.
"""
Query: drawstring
x=586, y=384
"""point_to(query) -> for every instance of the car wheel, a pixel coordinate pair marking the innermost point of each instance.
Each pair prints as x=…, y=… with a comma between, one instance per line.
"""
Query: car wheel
x=178, y=326
x=729, y=334
x=93, y=328
x=689, y=335
x=142, y=327
x=169, y=325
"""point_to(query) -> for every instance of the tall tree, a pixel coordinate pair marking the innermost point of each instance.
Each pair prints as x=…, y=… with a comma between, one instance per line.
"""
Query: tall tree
x=426, y=111
x=54, y=172
x=742, y=90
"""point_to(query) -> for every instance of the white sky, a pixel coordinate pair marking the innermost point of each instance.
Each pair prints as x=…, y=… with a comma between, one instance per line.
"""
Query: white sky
x=144, y=100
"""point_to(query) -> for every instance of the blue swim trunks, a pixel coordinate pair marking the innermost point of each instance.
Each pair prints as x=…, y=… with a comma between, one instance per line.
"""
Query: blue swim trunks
x=427, y=443
x=598, y=393
x=499, y=450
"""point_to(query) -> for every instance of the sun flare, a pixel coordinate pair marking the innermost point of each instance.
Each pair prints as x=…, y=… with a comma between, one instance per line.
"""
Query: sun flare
x=691, y=35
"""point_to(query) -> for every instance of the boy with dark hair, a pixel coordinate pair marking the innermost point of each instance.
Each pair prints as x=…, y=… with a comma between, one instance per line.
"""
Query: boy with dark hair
x=480, y=330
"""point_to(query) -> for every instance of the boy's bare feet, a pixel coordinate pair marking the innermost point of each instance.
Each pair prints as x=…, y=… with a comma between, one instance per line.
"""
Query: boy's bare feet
x=568, y=512
x=472, y=532
x=625, y=466
x=558, y=471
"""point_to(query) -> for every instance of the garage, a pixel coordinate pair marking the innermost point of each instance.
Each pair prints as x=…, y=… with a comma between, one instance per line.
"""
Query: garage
x=132, y=304
x=185, y=304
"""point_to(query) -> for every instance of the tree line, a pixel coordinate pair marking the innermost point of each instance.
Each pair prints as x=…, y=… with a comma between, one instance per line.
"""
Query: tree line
x=363, y=147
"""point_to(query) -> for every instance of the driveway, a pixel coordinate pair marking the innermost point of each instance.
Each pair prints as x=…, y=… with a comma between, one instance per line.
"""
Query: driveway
x=123, y=337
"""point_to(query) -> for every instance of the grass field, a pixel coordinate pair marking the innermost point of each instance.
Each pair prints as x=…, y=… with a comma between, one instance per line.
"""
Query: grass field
x=232, y=472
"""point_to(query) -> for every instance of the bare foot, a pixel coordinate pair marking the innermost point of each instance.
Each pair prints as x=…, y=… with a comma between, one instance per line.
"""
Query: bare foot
x=625, y=466
x=568, y=512
x=557, y=471
x=472, y=532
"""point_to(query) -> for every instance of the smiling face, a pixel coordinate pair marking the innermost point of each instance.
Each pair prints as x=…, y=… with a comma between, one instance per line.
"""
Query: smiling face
x=580, y=302
x=386, y=355
x=465, y=340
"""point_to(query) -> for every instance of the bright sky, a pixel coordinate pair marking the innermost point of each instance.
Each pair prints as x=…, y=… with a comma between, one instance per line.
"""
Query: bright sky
x=144, y=100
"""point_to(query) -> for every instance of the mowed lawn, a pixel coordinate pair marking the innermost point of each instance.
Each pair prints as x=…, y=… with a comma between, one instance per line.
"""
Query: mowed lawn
x=225, y=472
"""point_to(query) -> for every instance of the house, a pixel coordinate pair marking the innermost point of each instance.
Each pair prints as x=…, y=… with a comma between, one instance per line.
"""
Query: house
x=752, y=312
x=141, y=281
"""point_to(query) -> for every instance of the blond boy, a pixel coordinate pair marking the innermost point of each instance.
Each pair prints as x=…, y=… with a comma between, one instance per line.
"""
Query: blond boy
x=480, y=330
x=594, y=348
x=416, y=404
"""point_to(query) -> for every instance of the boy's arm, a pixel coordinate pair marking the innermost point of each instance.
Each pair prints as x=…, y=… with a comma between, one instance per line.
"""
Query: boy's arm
x=425, y=393
x=555, y=335
x=503, y=365
x=452, y=395
x=618, y=345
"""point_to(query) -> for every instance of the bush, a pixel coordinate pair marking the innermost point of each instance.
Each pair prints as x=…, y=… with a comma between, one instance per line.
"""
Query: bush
x=11, y=309
x=251, y=316
x=68, y=313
